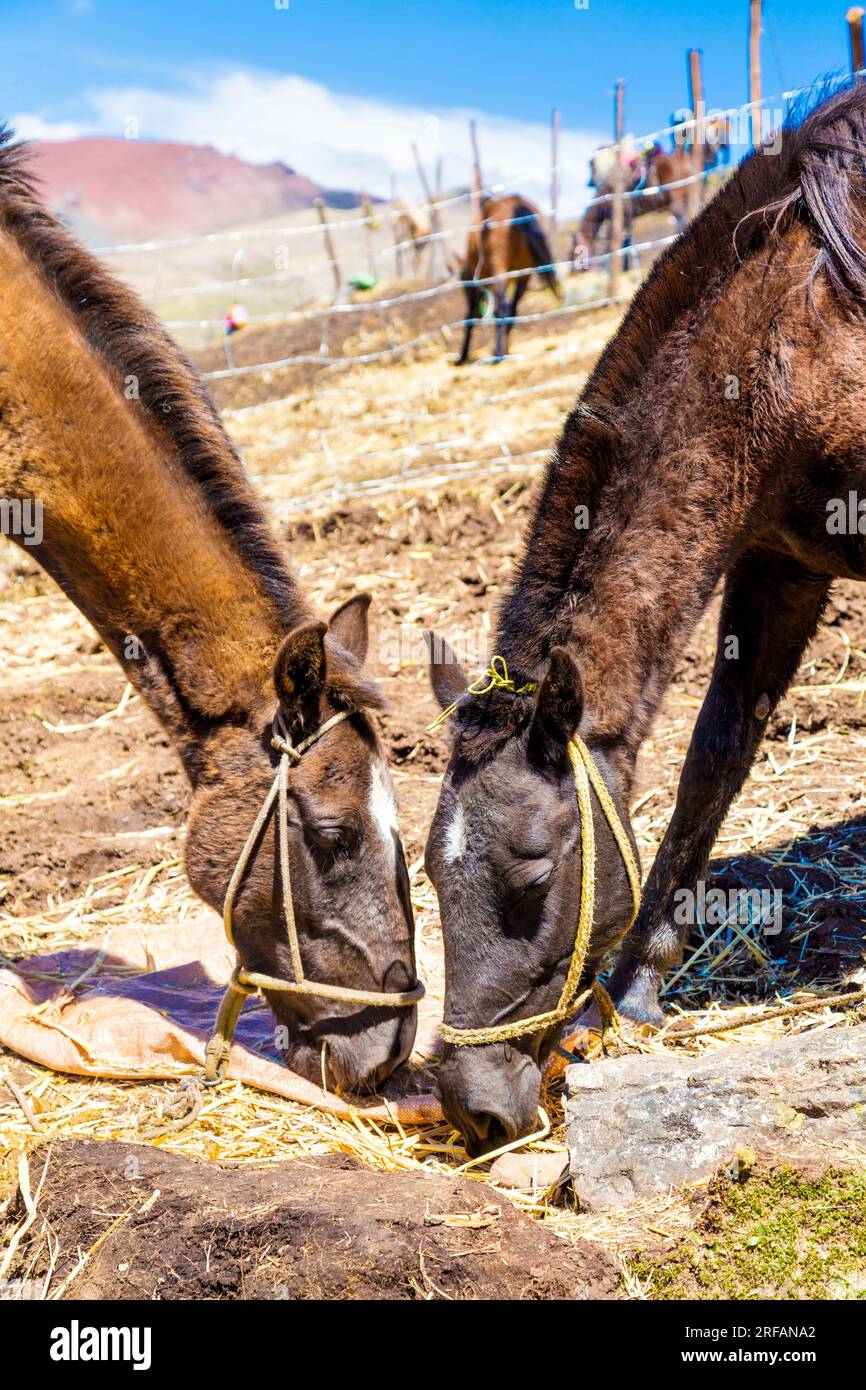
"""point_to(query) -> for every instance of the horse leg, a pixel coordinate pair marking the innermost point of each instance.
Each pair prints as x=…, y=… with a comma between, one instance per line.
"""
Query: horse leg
x=631, y=214
x=472, y=301
x=631, y=259
x=770, y=611
x=521, y=285
x=502, y=325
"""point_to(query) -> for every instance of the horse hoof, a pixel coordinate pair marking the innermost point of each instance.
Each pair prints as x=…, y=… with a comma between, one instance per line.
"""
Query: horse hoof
x=639, y=1001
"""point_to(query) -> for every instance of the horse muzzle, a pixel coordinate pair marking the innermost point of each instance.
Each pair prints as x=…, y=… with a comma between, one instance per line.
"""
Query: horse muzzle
x=489, y=1094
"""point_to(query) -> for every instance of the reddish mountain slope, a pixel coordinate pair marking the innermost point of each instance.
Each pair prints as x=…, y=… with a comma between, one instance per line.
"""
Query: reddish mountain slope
x=134, y=189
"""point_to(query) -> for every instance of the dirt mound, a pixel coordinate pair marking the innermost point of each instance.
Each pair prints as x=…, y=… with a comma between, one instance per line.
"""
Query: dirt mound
x=161, y=1225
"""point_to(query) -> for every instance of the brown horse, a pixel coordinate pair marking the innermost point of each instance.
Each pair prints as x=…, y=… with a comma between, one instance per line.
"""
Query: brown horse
x=509, y=243
x=410, y=229
x=718, y=438
x=150, y=527
x=647, y=185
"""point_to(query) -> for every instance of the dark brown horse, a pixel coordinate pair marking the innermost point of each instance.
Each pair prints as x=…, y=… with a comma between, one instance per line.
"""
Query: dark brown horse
x=148, y=524
x=713, y=442
x=648, y=190
x=504, y=250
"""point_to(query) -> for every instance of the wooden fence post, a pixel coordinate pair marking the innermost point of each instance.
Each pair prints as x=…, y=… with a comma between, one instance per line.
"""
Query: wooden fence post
x=755, y=113
x=319, y=204
x=616, y=216
x=370, y=233
x=435, y=224
x=695, y=191
x=554, y=179
x=855, y=34
x=438, y=252
x=477, y=184
x=395, y=230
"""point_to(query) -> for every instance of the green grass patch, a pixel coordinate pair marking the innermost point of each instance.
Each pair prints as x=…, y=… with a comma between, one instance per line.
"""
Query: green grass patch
x=777, y=1234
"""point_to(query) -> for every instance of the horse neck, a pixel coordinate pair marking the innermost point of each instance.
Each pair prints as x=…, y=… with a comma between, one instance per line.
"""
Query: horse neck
x=593, y=217
x=128, y=533
x=624, y=593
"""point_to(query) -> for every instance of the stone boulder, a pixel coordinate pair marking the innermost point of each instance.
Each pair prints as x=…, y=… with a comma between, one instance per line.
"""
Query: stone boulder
x=641, y=1124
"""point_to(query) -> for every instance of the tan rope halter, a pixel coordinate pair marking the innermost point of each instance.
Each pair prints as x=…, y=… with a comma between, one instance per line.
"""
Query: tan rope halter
x=243, y=983
x=586, y=775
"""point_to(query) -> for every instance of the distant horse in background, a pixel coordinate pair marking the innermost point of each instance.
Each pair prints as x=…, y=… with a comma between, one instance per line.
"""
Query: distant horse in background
x=647, y=181
x=410, y=225
x=508, y=239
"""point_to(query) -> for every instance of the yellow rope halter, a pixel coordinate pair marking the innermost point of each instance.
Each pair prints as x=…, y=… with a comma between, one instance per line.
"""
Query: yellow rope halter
x=243, y=983
x=497, y=678
x=586, y=775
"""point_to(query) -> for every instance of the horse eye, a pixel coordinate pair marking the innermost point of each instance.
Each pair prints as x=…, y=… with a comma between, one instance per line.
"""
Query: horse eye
x=331, y=839
x=526, y=897
x=531, y=880
x=538, y=885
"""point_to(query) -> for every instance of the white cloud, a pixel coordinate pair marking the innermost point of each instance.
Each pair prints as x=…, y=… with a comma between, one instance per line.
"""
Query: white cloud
x=28, y=127
x=344, y=141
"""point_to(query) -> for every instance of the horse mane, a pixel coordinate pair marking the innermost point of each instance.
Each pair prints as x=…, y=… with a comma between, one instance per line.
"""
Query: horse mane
x=132, y=343
x=809, y=179
x=812, y=180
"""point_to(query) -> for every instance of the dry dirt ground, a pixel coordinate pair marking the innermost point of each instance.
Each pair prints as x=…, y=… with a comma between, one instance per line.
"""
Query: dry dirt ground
x=92, y=798
x=319, y=1228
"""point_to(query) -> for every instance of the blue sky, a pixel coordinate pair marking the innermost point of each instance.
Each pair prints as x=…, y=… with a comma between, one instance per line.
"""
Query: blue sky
x=338, y=88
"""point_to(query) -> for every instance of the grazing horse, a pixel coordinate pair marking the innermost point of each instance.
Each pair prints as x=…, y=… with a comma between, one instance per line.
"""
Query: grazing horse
x=718, y=439
x=149, y=525
x=410, y=227
x=509, y=239
x=647, y=184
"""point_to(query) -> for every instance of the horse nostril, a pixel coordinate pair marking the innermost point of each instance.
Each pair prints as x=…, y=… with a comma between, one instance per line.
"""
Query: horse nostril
x=383, y=1071
x=399, y=1049
x=489, y=1130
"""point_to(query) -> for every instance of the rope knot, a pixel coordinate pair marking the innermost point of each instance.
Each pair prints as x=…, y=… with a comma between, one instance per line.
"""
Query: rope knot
x=282, y=745
x=497, y=678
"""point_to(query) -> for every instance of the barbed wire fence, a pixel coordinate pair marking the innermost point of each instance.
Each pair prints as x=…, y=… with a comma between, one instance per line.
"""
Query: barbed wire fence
x=419, y=461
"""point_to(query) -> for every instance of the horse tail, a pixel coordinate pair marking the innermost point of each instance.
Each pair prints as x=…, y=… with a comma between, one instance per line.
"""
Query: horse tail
x=539, y=247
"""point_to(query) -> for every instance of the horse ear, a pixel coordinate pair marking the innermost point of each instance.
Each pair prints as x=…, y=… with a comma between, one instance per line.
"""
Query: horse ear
x=558, y=709
x=447, y=676
x=300, y=667
x=349, y=626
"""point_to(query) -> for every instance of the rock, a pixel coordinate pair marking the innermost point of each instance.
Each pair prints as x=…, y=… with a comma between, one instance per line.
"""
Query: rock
x=639, y=1125
x=529, y=1170
x=164, y=1225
